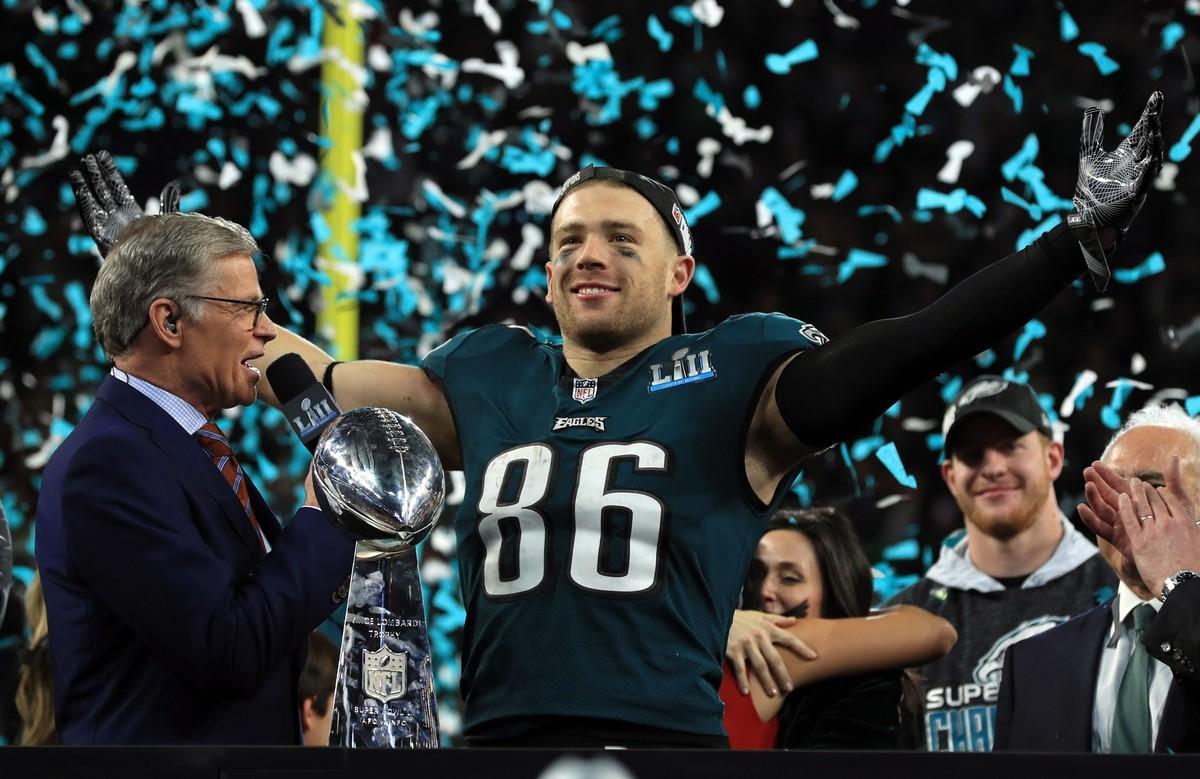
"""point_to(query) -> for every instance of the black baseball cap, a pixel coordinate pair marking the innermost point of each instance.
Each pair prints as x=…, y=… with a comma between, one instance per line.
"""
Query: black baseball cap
x=665, y=203
x=1012, y=401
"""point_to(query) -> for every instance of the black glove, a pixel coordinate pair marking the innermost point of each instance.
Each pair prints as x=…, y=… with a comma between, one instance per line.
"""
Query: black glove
x=1112, y=186
x=106, y=205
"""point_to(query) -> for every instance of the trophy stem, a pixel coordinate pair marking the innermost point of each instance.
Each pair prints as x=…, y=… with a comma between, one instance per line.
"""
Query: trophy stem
x=384, y=691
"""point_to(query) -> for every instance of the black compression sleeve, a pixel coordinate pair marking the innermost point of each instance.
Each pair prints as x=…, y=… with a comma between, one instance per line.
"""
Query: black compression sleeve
x=829, y=393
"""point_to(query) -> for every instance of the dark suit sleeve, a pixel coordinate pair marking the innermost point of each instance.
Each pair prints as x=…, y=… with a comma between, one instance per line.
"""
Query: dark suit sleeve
x=1004, y=702
x=1174, y=635
x=132, y=535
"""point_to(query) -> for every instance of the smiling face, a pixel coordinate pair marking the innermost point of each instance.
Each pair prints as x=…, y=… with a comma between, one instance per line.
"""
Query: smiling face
x=215, y=349
x=1146, y=452
x=613, y=269
x=791, y=573
x=1001, y=479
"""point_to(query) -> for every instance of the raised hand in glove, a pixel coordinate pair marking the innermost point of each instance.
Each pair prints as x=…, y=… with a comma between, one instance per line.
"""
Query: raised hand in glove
x=1112, y=186
x=105, y=202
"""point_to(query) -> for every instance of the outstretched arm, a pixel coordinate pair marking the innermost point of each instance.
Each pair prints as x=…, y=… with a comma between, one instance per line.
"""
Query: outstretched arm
x=901, y=637
x=405, y=389
x=820, y=396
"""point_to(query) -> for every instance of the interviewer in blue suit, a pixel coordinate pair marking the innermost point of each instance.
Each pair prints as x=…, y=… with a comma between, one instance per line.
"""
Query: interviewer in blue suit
x=1073, y=688
x=179, y=612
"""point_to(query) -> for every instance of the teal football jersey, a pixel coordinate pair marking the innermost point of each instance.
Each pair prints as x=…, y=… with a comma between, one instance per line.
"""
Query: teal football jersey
x=607, y=524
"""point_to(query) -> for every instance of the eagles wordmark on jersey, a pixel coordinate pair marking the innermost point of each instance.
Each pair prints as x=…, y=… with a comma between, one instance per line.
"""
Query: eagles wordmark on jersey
x=607, y=523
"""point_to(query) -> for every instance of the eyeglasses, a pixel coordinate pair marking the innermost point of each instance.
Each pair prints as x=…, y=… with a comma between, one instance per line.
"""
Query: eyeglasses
x=260, y=305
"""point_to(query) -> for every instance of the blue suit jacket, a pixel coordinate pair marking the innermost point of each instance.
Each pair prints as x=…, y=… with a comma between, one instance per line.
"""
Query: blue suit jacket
x=1048, y=688
x=168, y=623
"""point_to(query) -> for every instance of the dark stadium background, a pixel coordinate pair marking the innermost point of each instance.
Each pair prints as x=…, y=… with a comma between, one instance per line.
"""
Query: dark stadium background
x=828, y=115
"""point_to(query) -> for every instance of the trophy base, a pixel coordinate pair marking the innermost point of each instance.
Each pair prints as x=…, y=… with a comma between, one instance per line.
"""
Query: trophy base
x=384, y=697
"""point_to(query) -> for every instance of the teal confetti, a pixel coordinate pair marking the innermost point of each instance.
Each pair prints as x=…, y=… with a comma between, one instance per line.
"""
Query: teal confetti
x=1171, y=35
x=1067, y=29
x=951, y=202
x=1148, y=267
x=703, y=207
x=787, y=217
x=659, y=34
x=1033, y=330
x=1029, y=236
x=1183, y=147
x=846, y=184
x=1008, y=196
x=32, y=223
x=1014, y=93
x=781, y=64
x=1105, y=64
x=39, y=61
x=1110, y=415
x=752, y=97
x=890, y=457
x=857, y=259
x=865, y=447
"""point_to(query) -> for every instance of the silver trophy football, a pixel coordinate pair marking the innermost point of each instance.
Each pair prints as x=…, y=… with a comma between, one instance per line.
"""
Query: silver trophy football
x=378, y=477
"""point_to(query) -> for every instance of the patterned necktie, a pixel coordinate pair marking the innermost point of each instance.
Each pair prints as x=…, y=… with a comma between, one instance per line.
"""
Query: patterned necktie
x=217, y=446
x=1131, y=722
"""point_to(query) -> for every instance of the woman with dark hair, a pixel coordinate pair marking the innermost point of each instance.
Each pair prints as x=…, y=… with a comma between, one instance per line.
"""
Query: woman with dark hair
x=854, y=694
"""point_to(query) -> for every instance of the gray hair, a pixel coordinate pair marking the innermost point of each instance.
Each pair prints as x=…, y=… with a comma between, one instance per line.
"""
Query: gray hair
x=164, y=256
x=1164, y=415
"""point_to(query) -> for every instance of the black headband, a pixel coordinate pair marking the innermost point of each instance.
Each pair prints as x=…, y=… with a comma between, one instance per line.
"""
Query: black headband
x=661, y=197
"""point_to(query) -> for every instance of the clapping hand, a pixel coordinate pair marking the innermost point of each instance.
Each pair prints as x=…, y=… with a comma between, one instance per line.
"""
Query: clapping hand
x=1155, y=527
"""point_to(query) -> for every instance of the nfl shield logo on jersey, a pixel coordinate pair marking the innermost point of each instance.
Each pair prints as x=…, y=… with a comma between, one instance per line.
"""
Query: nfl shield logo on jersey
x=584, y=390
x=385, y=674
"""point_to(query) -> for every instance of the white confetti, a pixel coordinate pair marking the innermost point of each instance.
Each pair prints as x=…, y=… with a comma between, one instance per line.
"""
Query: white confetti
x=1086, y=379
x=687, y=194
x=581, y=55
x=59, y=147
x=417, y=26
x=379, y=147
x=532, y=239
x=483, y=9
x=539, y=197
x=230, y=175
x=981, y=80
x=379, y=59
x=955, y=155
x=299, y=171
x=916, y=268
x=840, y=18
x=736, y=128
x=822, y=191
x=1166, y=177
x=708, y=12
x=506, y=71
x=251, y=19
x=707, y=148
x=1104, y=104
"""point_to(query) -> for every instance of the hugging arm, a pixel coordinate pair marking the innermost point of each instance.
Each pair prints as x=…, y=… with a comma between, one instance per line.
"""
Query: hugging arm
x=897, y=638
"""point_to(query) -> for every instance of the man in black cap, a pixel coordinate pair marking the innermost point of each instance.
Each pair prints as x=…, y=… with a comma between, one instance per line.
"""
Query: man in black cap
x=1017, y=568
x=616, y=483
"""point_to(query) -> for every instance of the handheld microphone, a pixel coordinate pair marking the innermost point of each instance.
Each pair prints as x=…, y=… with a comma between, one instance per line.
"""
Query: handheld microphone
x=308, y=406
